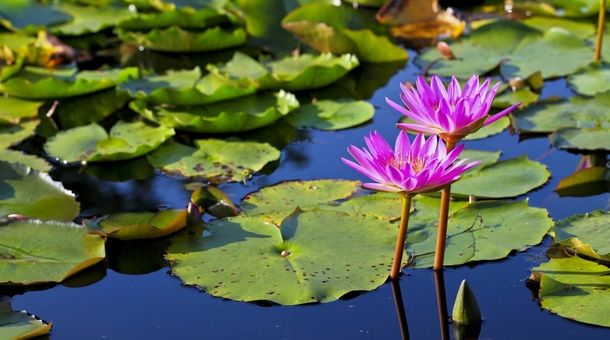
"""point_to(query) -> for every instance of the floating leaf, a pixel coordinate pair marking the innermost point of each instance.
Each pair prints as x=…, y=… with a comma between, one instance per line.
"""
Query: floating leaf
x=525, y=96
x=87, y=19
x=513, y=46
x=20, y=325
x=340, y=30
x=30, y=16
x=139, y=225
x=91, y=108
x=187, y=18
x=175, y=39
x=590, y=230
x=577, y=8
x=12, y=110
x=91, y=143
x=248, y=113
x=586, y=182
x=36, y=251
x=233, y=158
x=332, y=115
x=15, y=40
x=491, y=129
x=581, y=139
x=263, y=24
x=13, y=134
x=34, y=194
x=576, y=289
x=580, y=29
x=31, y=161
x=592, y=79
x=304, y=261
x=37, y=83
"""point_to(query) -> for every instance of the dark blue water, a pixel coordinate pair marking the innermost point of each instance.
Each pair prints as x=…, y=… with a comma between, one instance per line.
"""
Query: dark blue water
x=156, y=306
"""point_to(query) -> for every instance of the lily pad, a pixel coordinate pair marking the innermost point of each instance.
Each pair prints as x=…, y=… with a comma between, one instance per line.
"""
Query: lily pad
x=332, y=115
x=186, y=87
x=580, y=29
x=12, y=110
x=232, y=159
x=586, y=182
x=37, y=251
x=263, y=24
x=31, y=161
x=88, y=19
x=21, y=324
x=592, y=79
x=91, y=143
x=590, y=230
x=34, y=194
x=248, y=113
x=515, y=48
x=91, y=108
x=30, y=16
x=13, y=134
x=303, y=261
x=491, y=129
x=175, y=39
x=581, y=139
x=139, y=225
x=341, y=30
x=577, y=8
x=187, y=18
x=575, y=289
x=36, y=83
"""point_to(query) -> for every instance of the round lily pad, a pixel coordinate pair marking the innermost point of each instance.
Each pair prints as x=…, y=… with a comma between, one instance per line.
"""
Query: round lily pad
x=31, y=161
x=12, y=110
x=589, y=229
x=89, y=19
x=332, y=115
x=591, y=80
x=581, y=139
x=13, y=134
x=231, y=159
x=34, y=194
x=91, y=143
x=21, y=324
x=139, y=225
x=34, y=251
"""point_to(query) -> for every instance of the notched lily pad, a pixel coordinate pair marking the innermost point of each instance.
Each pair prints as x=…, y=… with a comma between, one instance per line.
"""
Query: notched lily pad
x=332, y=115
x=36, y=251
x=91, y=143
x=13, y=110
x=34, y=194
x=31, y=161
x=591, y=80
x=21, y=324
x=585, y=234
x=139, y=225
x=245, y=114
x=231, y=159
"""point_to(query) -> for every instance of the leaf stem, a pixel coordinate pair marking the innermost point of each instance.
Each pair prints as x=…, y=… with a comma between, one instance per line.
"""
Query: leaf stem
x=402, y=235
x=441, y=238
x=600, y=29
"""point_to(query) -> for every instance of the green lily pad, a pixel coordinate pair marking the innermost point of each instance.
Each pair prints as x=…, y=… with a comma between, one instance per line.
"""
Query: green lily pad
x=491, y=129
x=34, y=194
x=341, y=30
x=590, y=230
x=88, y=19
x=30, y=16
x=20, y=324
x=515, y=48
x=482, y=231
x=586, y=182
x=263, y=24
x=245, y=114
x=580, y=29
x=37, y=83
x=91, y=143
x=160, y=5
x=186, y=87
x=273, y=204
x=575, y=289
x=187, y=18
x=15, y=40
x=581, y=139
x=507, y=178
x=13, y=134
x=592, y=79
x=524, y=96
x=37, y=251
x=332, y=115
x=12, y=110
x=302, y=261
x=577, y=8
x=175, y=39
x=553, y=114
x=139, y=225
x=31, y=161
x=230, y=159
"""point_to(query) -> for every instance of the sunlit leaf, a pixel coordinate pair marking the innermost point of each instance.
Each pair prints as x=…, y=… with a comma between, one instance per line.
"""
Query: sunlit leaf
x=592, y=79
x=30, y=16
x=175, y=39
x=332, y=115
x=232, y=159
x=491, y=129
x=87, y=19
x=590, y=230
x=31, y=161
x=586, y=182
x=12, y=110
x=186, y=18
x=91, y=108
x=34, y=194
x=20, y=324
x=91, y=143
x=582, y=138
x=580, y=29
x=245, y=114
x=13, y=134
x=35, y=251
x=139, y=225
x=577, y=8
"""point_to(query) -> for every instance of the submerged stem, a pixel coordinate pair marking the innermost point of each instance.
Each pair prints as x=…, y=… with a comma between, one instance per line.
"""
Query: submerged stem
x=441, y=238
x=600, y=30
x=402, y=235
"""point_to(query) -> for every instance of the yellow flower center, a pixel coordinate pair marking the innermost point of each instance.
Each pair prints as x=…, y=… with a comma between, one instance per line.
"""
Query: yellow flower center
x=417, y=164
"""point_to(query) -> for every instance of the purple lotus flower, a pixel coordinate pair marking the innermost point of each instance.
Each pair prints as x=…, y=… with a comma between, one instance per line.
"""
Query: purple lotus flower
x=453, y=113
x=412, y=168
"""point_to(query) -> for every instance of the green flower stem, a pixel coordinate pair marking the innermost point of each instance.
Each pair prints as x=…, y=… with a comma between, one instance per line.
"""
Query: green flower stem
x=441, y=239
x=600, y=29
x=402, y=235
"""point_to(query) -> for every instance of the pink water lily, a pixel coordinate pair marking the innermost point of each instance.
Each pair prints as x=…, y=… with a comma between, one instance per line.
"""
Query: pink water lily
x=451, y=113
x=411, y=168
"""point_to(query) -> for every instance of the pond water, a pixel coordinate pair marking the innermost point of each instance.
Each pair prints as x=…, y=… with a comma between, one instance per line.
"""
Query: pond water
x=154, y=304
